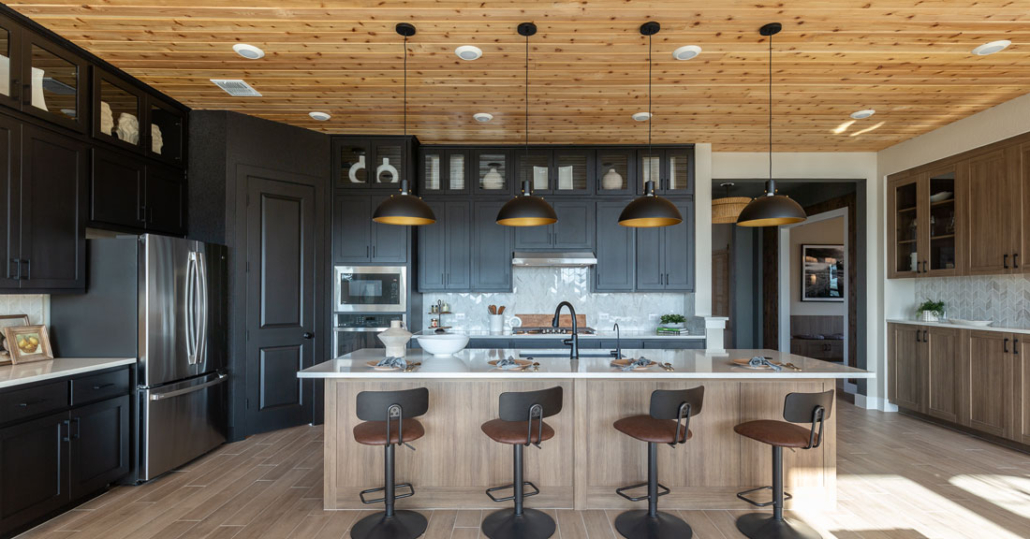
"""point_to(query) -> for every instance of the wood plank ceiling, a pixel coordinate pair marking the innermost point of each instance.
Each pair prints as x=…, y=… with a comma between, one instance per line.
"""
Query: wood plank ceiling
x=910, y=60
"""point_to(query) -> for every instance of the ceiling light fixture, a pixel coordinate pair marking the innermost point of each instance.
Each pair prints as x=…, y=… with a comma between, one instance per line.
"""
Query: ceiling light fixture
x=686, y=52
x=405, y=209
x=483, y=117
x=649, y=211
x=320, y=116
x=992, y=47
x=771, y=209
x=469, y=52
x=642, y=116
x=726, y=209
x=249, y=52
x=862, y=114
x=526, y=210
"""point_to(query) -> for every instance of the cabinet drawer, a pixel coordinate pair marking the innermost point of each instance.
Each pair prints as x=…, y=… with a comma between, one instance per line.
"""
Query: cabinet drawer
x=100, y=386
x=21, y=403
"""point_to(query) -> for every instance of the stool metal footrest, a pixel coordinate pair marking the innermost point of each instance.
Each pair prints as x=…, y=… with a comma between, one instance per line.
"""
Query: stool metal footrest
x=490, y=491
x=743, y=496
x=410, y=493
x=662, y=491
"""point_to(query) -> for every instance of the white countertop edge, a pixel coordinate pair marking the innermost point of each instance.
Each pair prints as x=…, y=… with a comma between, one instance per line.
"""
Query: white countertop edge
x=38, y=371
x=958, y=326
x=619, y=375
x=605, y=335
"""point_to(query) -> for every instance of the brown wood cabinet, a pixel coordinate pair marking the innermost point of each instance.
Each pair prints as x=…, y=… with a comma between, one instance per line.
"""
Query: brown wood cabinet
x=944, y=367
x=987, y=381
x=925, y=218
x=909, y=367
x=1021, y=404
x=993, y=208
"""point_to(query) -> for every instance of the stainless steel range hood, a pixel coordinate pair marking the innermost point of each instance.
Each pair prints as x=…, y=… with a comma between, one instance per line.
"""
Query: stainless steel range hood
x=576, y=259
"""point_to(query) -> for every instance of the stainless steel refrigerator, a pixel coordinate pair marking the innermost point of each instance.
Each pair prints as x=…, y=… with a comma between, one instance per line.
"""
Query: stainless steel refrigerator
x=164, y=301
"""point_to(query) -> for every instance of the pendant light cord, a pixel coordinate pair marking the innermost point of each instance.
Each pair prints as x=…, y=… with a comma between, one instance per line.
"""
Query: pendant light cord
x=405, y=85
x=527, y=107
x=650, y=155
x=772, y=186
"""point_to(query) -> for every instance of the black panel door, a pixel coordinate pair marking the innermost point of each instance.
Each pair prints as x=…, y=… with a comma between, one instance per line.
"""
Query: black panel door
x=352, y=229
x=166, y=201
x=53, y=200
x=117, y=190
x=575, y=226
x=10, y=244
x=492, y=245
x=33, y=470
x=615, y=243
x=432, y=251
x=389, y=242
x=459, y=252
x=280, y=303
x=99, y=445
x=678, y=250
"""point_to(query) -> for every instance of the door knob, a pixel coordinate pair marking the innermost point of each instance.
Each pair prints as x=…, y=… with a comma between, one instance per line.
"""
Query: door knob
x=308, y=335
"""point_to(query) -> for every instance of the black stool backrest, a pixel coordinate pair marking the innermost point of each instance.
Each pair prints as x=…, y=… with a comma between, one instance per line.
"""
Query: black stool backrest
x=666, y=403
x=376, y=405
x=531, y=406
x=811, y=408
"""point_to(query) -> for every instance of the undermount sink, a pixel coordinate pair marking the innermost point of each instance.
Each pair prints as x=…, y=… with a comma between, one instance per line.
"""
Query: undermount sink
x=531, y=354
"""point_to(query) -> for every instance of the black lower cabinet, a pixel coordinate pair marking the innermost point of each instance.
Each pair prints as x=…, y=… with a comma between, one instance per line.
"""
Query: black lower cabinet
x=33, y=470
x=99, y=435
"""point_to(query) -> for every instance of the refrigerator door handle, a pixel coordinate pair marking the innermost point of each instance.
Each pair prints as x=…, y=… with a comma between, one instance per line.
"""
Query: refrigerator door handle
x=201, y=319
x=191, y=389
x=190, y=300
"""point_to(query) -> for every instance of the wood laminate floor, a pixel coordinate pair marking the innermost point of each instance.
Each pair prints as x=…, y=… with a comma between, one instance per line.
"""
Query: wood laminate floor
x=898, y=478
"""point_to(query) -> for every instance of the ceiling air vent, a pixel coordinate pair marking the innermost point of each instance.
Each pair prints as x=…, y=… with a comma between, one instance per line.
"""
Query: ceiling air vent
x=236, y=87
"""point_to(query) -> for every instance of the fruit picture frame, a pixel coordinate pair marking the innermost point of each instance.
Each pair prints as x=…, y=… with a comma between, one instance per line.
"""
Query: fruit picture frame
x=28, y=343
x=9, y=320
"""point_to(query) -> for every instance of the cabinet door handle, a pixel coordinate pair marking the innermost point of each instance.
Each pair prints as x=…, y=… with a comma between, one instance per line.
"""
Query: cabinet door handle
x=373, y=251
x=1015, y=347
x=26, y=404
x=1005, y=260
x=17, y=269
x=15, y=92
x=924, y=267
x=1006, y=345
x=66, y=426
x=102, y=386
x=917, y=335
x=367, y=251
x=926, y=335
x=78, y=429
x=1015, y=260
x=28, y=269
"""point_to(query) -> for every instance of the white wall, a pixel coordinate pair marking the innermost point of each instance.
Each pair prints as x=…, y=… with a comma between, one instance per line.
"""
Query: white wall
x=829, y=232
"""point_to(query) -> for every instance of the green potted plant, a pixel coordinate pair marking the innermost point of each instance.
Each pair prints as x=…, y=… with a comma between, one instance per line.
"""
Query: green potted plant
x=673, y=321
x=931, y=311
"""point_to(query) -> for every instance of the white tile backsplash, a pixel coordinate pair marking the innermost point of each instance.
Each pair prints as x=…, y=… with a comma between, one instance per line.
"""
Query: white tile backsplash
x=33, y=305
x=1003, y=299
x=539, y=290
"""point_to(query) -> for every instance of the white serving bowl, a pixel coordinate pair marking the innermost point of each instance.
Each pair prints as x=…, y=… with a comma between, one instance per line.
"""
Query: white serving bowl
x=443, y=344
x=971, y=323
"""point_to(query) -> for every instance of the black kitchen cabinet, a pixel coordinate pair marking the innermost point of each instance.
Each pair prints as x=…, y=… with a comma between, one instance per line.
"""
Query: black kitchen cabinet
x=615, y=171
x=9, y=41
x=672, y=170
x=118, y=113
x=54, y=82
x=444, y=172
x=616, y=245
x=565, y=171
x=372, y=162
x=127, y=193
x=573, y=231
x=99, y=436
x=665, y=255
x=492, y=172
x=10, y=179
x=34, y=463
x=444, y=249
x=166, y=200
x=165, y=134
x=357, y=239
x=492, y=246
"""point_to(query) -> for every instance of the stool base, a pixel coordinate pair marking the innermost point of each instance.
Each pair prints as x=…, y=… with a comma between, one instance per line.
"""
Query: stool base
x=531, y=524
x=402, y=525
x=766, y=526
x=639, y=525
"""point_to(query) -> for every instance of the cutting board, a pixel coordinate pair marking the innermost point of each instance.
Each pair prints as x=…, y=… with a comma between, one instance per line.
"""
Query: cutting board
x=544, y=320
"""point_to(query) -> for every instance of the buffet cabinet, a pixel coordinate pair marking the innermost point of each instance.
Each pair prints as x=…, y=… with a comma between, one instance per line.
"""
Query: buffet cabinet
x=976, y=379
x=61, y=441
x=962, y=215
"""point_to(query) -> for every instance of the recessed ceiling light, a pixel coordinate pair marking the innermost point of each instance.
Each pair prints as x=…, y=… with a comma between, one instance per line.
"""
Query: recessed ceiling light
x=642, y=116
x=992, y=47
x=483, y=117
x=468, y=52
x=320, y=116
x=686, y=52
x=862, y=114
x=249, y=52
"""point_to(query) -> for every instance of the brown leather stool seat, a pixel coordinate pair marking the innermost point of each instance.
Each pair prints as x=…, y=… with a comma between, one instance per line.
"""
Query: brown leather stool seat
x=777, y=433
x=374, y=432
x=648, y=429
x=514, y=432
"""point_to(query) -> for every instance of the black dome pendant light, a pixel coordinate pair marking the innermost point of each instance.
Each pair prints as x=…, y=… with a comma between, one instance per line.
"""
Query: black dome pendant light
x=405, y=209
x=527, y=210
x=649, y=211
x=771, y=209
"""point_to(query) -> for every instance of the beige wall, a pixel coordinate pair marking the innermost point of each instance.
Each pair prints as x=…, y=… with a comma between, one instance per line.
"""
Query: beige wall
x=826, y=232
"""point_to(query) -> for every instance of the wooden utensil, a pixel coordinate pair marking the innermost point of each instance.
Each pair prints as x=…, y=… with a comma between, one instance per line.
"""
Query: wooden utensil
x=492, y=309
x=501, y=310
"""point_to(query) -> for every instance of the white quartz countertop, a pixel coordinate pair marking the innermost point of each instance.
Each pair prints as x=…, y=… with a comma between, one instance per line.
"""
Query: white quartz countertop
x=686, y=364
x=601, y=334
x=37, y=371
x=958, y=326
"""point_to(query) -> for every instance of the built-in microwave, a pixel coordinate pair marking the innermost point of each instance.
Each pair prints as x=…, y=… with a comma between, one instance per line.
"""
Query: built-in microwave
x=361, y=289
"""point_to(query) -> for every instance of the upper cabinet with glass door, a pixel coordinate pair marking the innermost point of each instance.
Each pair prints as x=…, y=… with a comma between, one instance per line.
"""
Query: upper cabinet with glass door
x=903, y=227
x=166, y=135
x=615, y=171
x=672, y=170
x=9, y=78
x=372, y=162
x=943, y=225
x=491, y=173
x=555, y=172
x=443, y=171
x=53, y=82
x=924, y=224
x=118, y=111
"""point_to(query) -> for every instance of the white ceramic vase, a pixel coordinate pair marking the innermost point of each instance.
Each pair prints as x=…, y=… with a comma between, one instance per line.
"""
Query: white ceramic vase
x=395, y=339
x=106, y=118
x=128, y=128
x=612, y=180
x=387, y=168
x=157, y=140
x=353, y=172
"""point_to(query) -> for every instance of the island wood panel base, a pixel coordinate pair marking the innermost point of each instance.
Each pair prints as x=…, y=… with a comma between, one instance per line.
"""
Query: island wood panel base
x=587, y=459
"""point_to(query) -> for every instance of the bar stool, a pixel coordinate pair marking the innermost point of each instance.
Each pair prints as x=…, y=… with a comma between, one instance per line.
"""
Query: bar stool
x=387, y=417
x=668, y=423
x=811, y=408
x=521, y=423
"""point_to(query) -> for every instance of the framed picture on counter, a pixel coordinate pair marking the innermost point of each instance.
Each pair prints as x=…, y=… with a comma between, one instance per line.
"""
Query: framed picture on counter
x=6, y=321
x=28, y=343
x=822, y=273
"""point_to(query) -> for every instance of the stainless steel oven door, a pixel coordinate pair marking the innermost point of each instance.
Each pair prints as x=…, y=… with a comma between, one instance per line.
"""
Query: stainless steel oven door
x=370, y=289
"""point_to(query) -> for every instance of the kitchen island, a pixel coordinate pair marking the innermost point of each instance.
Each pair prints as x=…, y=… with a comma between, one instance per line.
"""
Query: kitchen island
x=587, y=460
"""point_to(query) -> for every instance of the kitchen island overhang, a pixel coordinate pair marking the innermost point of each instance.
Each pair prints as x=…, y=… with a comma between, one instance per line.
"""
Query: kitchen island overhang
x=587, y=459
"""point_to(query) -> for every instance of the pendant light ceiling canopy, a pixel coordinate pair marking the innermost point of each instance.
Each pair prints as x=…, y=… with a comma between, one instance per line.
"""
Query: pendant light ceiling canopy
x=526, y=210
x=726, y=209
x=771, y=209
x=405, y=209
x=649, y=210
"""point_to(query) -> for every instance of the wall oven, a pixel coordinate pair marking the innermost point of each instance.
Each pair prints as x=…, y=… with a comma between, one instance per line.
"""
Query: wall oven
x=362, y=289
x=356, y=331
